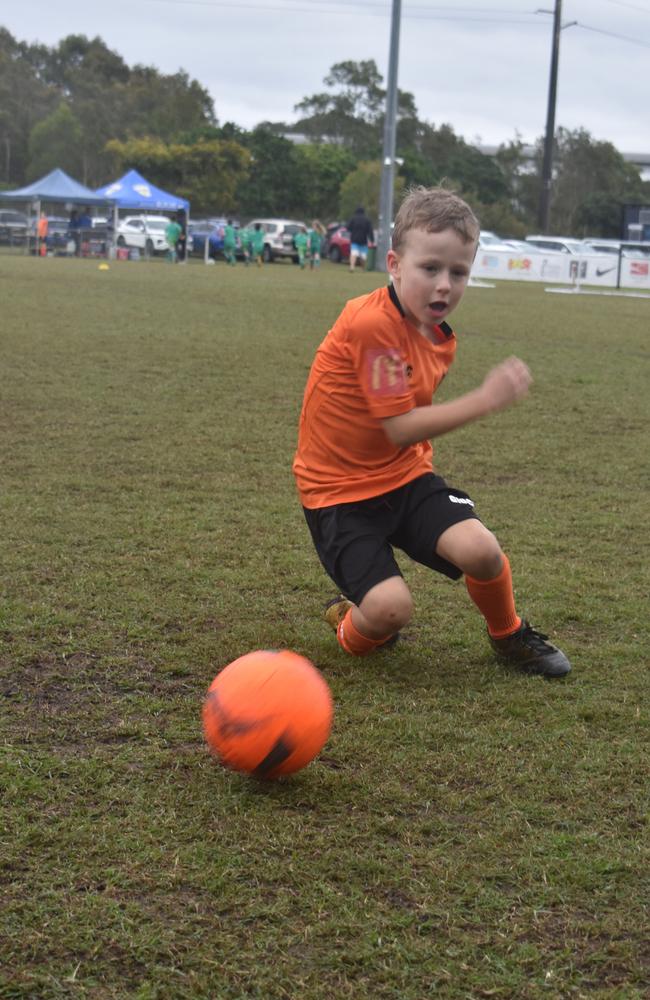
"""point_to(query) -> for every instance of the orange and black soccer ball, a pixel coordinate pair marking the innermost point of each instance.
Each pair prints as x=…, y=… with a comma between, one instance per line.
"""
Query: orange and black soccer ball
x=268, y=713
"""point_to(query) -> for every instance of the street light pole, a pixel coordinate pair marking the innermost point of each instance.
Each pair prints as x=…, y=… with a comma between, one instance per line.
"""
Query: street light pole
x=390, y=130
x=547, y=167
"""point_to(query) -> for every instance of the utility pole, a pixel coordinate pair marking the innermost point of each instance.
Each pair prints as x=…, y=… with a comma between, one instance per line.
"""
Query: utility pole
x=390, y=129
x=547, y=168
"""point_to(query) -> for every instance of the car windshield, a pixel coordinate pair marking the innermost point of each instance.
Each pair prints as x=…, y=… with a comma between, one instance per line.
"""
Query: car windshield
x=157, y=224
x=599, y=248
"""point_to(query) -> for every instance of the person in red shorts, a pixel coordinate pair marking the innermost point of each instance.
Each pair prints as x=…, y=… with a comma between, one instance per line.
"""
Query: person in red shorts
x=364, y=462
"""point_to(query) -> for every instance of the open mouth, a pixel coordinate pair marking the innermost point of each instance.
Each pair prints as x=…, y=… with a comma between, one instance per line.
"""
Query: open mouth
x=438, y=307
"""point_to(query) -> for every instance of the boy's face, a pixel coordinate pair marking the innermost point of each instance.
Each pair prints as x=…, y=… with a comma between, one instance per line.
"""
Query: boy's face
x=430, y=274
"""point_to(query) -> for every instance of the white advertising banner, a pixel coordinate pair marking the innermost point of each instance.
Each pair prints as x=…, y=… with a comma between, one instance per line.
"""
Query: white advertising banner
x=591, y=269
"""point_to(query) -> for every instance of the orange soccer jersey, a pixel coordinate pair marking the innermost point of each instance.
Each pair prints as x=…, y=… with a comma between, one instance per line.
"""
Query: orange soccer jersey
x=373, y=364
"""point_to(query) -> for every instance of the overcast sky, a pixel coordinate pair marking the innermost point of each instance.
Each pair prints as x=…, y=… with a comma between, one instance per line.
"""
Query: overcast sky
x=480, y=65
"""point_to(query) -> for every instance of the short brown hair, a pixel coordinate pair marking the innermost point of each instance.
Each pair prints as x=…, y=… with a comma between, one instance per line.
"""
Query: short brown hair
x=434, y=209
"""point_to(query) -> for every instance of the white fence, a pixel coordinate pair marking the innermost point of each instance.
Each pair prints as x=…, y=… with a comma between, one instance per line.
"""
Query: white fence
x=555, y=268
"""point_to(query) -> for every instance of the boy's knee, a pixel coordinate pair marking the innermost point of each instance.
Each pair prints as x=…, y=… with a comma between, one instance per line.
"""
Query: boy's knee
x=486, y=560
x=475, y=550
x=390, y=610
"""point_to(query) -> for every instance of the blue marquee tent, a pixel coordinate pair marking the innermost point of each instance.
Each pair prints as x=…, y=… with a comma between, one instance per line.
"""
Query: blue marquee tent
x=132, y=191
x=57, y=186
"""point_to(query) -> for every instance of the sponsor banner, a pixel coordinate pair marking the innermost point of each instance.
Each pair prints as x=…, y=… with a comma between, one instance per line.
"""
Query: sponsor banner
x=591, y=269
x=635, y=273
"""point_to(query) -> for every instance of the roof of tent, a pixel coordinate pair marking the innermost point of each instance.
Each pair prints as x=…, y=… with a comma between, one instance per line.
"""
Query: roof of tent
x=133, y=191
x=57, y=186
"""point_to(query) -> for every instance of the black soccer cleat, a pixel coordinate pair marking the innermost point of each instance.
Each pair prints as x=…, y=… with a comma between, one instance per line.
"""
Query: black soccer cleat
x=529, y=651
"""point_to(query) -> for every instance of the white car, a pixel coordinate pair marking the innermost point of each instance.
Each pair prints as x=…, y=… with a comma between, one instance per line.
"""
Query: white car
x=278, y=237
x=490, y=241
x=146, y=232
x=626, y=248
x=557, y=244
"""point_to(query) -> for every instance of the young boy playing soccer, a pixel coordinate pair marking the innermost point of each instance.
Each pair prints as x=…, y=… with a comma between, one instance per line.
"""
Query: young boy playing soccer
x=363, y=465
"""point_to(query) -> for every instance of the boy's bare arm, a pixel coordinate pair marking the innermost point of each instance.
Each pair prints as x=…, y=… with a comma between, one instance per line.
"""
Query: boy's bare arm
x=502, y=387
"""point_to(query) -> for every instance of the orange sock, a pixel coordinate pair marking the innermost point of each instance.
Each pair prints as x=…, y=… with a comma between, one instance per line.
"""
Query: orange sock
x=496, y=601
x=353, y=641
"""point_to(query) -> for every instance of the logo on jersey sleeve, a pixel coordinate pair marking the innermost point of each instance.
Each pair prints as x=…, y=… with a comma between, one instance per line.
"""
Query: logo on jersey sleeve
x=386, y=376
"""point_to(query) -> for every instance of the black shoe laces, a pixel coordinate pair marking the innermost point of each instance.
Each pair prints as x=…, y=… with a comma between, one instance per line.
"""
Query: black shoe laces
x=531, y=637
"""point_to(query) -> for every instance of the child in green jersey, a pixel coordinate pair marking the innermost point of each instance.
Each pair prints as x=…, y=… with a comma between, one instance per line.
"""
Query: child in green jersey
x=315, y=243
x=257, y=243
x=301, y=241
x=229, y=243
x=245, y=244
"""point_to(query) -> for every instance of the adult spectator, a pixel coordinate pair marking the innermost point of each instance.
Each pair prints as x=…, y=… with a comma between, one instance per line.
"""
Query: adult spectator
x=84, y=227
x=85, y=221
x=181, y=242
x=41, y=230
x=74, y=226
x=361, y=234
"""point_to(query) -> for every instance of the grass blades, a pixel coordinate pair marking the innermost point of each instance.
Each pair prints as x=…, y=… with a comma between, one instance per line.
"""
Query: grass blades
x=467, y=832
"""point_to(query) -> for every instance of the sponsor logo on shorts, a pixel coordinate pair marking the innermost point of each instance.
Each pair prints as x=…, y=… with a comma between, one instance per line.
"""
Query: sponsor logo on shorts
x=465, y=500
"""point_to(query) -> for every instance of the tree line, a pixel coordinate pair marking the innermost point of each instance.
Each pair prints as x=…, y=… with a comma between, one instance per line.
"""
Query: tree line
x=80, y=107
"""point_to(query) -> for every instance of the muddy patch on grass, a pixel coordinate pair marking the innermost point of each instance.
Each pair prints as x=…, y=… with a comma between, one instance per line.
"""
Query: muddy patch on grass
x=82, y=700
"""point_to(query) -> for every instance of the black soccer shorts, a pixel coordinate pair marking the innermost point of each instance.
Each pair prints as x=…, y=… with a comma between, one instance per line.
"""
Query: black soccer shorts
x=355, y=541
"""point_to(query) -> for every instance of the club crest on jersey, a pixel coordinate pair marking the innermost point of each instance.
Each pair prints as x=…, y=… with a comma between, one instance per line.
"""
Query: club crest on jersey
x=386, y=372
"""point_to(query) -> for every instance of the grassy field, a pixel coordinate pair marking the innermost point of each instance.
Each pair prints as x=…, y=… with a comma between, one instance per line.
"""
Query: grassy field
x=467, y=832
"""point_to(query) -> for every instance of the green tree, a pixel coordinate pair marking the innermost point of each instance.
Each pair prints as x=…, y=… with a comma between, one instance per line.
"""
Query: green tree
x=501, y=217
x=323, y=168
x=94, y=81
x=362, y=187
x=351, y=113
x=55, y=142
x=441, y=155
x=591, y=185
x=107, y=98
x=25, y=99
x=166, y=106
x=206, y=173
x=275, y=184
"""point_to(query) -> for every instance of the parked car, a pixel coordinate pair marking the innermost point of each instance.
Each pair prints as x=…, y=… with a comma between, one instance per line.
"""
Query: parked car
x=520, y=246
x=557, y=244
x=635, y=248
x=13, y=226
x=58, y=239
x=144, y=232
x=338, y=247
x=58, y=234
x=490, y=241
x=330, y=229
x=210, y=229
x=278, y=238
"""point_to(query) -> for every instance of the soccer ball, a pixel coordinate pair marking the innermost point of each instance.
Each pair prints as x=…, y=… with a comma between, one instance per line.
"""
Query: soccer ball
x=267, y=713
